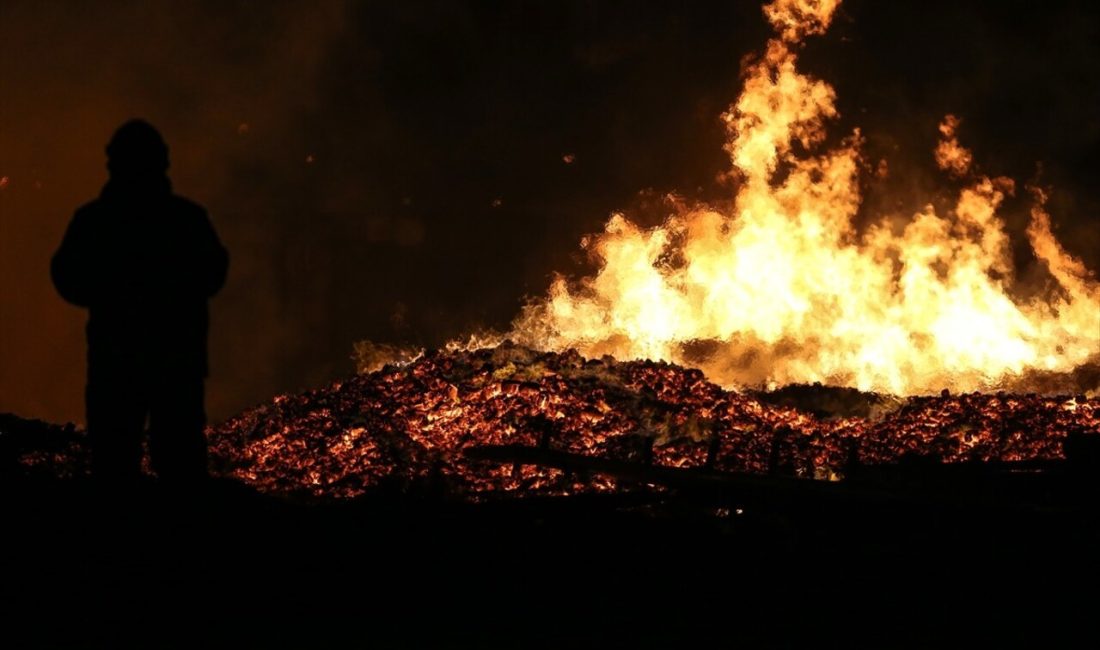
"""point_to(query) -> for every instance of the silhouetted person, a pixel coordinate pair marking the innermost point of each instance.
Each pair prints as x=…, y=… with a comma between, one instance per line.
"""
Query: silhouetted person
x=144, y=262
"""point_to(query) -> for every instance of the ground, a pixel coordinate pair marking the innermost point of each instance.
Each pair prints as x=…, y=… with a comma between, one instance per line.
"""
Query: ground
x=226, y=566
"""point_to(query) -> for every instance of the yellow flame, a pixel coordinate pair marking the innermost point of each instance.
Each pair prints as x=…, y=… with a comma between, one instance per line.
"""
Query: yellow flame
x=784, y=289
x=950, y=155
x=794, y=19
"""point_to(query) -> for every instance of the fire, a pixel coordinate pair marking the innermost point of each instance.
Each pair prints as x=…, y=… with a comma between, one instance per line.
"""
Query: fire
x=797, y=18
x=950, y=155
x=783, y=289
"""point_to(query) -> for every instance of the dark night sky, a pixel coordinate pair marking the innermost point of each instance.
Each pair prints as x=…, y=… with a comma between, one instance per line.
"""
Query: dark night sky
x=437, y=198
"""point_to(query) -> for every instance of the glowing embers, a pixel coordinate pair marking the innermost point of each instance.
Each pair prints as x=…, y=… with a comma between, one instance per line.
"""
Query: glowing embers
x=405, y=428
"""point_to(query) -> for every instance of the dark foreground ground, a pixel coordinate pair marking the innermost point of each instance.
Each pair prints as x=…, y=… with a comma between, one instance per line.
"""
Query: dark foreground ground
x=228, y=567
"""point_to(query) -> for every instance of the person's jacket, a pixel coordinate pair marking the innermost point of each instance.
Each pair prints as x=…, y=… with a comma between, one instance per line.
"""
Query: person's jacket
x=144, y=262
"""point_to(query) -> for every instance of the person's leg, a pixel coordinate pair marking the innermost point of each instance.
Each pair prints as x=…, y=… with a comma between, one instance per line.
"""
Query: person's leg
x=115, y=410
x=177, y=419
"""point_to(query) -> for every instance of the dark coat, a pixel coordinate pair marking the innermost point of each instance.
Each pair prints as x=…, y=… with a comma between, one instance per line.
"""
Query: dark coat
x=144, y=262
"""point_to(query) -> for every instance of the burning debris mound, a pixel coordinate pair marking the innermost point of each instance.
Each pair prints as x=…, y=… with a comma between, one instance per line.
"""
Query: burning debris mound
x=409, y=426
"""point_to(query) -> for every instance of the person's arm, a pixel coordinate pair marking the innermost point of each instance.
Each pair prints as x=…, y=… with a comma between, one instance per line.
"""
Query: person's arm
x=71, y=268
x=212, y=259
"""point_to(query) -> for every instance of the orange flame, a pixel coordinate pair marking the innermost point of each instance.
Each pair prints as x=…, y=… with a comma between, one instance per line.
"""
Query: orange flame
x=795, y=19
x=783, y=289
x=950, y=155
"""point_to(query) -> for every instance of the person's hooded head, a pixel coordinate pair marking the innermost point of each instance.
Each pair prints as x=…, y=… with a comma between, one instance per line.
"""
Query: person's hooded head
x=137, y=150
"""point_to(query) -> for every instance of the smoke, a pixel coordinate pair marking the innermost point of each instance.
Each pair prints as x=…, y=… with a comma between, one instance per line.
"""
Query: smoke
x=438, y=198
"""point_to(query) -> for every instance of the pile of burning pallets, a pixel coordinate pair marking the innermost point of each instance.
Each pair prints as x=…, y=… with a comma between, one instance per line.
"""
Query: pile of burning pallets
x=423, y=422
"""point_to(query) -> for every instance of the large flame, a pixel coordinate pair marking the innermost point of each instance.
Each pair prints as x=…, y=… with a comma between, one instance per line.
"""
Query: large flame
x=784, y=289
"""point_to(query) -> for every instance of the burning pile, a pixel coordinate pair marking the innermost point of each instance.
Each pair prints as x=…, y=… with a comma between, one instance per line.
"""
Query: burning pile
x=409, y=425
x=780, y=288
